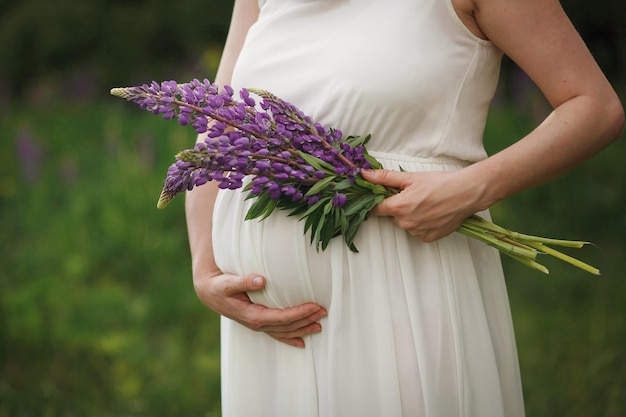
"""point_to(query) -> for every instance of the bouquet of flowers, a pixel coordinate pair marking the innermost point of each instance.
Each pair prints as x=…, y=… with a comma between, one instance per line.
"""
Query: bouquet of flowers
x=293, y=163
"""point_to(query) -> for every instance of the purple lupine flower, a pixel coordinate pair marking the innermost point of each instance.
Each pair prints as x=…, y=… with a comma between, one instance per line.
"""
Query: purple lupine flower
x=313, y=199
x=246, y=138
x=339, y=200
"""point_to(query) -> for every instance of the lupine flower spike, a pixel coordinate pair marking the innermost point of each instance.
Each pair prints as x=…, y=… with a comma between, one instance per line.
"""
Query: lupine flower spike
x=286, y=161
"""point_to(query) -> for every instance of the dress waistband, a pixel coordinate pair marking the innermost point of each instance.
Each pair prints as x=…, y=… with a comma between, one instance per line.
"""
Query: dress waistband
x=442, y=159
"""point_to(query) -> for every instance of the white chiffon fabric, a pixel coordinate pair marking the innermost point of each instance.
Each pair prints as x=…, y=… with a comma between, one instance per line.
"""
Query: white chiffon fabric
x=413, y=328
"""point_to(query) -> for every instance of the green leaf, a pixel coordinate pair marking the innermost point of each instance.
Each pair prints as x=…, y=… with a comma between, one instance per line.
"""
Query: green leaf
x=361, y=182
x=331, y=227
x=344, y=223
x=355, y=141
x=316, y=206
x=349, y=236
x=338, y=214
x=374, y=164
x=315, y=217
x=299, y=209
x=379, y=189
x=320, y=185
x=328, y=207
x=316, y=228
x=350, y=140
x=343, y=185
x=258, y=207
x=359, y=203
x=263, y=210
x=352, y=247
x=311, y=223
x=316, y=162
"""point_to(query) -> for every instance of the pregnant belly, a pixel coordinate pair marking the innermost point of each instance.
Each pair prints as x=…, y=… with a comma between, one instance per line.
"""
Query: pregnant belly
x=275, y=248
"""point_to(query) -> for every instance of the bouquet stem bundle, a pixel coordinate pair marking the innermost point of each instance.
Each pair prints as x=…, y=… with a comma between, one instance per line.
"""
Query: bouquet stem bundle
x=521, y=247
x=294, y=164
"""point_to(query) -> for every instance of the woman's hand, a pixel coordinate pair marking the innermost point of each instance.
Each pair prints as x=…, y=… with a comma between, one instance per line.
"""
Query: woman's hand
x=431, y=204
x=226, y=294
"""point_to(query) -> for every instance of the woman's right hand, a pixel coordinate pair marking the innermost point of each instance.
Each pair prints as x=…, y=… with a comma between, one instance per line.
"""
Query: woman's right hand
x=227, y=295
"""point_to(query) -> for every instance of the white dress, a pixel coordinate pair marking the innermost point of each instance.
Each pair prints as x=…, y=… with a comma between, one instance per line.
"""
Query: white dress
x=413, y=329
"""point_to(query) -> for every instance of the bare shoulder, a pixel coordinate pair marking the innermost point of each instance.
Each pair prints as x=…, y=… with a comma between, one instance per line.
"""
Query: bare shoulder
x=479, y=15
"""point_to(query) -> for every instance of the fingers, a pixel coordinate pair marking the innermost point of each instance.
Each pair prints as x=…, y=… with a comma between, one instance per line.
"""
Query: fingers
x=228, y=296
x=289, y=321
x=260, y=316
x=386, y=177
x=385, y=208
x=296, y=338
x=390, y=179
x=295, y=342
x=288, y=325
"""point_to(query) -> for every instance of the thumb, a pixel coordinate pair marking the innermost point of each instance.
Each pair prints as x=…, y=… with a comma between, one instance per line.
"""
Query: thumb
x=253, y=282
x=238, y=284
x=385, y=177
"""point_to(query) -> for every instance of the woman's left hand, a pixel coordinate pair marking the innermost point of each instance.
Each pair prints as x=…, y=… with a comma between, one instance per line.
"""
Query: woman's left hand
x=431, y=204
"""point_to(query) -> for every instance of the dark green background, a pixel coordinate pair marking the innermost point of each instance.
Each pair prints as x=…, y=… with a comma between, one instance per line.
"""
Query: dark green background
x=98, y=316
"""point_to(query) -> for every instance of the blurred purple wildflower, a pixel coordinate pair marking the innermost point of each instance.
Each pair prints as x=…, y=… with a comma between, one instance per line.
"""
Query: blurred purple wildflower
x=29, y=154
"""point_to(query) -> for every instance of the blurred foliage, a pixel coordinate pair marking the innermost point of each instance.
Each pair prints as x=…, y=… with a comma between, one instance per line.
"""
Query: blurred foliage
x=570, y=326
x=601, y=24
x=97, y=309
x=98, y=316
x=90, y=44
x=85, y=46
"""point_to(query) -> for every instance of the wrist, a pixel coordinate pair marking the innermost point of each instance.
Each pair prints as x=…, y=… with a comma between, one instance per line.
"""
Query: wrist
x=484, y=185
x=202, y=269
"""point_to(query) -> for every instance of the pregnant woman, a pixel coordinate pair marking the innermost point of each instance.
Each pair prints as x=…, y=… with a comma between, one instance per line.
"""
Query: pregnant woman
x=418, y=322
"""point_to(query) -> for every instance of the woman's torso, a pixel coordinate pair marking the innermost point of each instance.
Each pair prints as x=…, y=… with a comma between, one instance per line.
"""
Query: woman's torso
x=406, y=71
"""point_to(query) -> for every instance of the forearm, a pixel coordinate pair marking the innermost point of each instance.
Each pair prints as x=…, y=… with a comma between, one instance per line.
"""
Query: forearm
x=574, y=132
x=199, y=205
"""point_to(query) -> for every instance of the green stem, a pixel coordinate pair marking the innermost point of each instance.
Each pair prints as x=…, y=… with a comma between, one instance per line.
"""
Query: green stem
x=499, y=244
x=516, y=235
x=566, y=258
x=529, y=262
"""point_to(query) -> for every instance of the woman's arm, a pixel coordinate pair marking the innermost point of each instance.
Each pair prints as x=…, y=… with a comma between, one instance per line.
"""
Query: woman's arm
x=587, y=114
x=587, y=117
x=222, y=292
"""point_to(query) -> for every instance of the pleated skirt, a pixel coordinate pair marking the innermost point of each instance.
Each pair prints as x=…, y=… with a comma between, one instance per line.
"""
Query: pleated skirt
x=413, y=328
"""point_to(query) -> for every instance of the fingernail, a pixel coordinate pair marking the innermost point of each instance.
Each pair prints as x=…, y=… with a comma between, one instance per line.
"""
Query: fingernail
x=257, y=281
